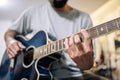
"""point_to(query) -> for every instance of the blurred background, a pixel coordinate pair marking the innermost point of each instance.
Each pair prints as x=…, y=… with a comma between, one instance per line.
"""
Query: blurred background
x=107, y=58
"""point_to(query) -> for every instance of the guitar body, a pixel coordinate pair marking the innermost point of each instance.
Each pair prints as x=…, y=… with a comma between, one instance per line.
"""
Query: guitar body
x=26, y=68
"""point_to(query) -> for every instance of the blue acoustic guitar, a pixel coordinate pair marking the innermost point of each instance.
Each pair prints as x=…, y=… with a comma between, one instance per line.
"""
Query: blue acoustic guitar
x=37, y=57
x=41, y=52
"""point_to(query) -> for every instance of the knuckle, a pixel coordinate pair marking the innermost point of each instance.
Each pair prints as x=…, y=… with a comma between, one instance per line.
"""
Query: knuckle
x=77, y=42
x=8, y=47
x=88, y=37
x=17, y=50
x=89, y=51
x=19, y=43
x=76, y=56
x=71, y=43
x=73, y=57
x=76, y=36
x=67, y=48
x=17, y=47
x=14, y=44
x=83, y=30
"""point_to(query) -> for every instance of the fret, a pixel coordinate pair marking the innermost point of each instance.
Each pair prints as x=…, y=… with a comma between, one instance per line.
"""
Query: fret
x=62, y=44
x=118, y=22
x=106, y=26
x=45, y=49
x=97, y=31
x=111, y=25
x=60, y=47
x=93, y=32
x=101, y=29
x=42, y=50
x=48, y=48
x=57, y=47
x=53, y=47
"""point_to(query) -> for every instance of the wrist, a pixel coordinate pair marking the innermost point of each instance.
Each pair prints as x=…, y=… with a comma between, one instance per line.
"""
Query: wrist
x=10, y=41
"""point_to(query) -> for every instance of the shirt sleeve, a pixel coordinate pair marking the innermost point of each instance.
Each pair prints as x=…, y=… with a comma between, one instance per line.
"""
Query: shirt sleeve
x=21, y=25
x=86, y=22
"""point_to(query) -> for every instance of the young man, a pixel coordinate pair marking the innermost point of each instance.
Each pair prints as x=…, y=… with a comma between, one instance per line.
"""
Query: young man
x=60, y=21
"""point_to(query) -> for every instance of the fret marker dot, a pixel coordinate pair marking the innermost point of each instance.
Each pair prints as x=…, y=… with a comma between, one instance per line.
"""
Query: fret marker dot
x=102, y=29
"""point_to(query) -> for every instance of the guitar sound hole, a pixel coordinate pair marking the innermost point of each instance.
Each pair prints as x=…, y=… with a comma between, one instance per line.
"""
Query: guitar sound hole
x=28, y=57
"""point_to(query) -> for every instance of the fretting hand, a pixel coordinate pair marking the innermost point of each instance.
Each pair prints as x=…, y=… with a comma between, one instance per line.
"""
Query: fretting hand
x=80, y=52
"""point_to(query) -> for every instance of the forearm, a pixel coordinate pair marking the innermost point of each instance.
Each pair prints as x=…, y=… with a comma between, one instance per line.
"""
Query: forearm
x=9, y=36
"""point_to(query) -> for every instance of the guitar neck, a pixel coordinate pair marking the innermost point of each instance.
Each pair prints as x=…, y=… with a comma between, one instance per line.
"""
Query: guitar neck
x=96, y=31
x=104, y=28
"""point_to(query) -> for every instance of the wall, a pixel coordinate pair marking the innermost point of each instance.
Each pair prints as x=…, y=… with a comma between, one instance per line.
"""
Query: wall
x=105, y=13
x=4, y=24
x=106, y=43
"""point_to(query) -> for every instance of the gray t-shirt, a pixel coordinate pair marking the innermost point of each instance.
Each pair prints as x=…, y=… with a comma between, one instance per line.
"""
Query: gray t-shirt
x=58, y=24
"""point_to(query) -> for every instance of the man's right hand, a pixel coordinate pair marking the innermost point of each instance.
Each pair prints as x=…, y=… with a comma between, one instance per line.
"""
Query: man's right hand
x=14, y=47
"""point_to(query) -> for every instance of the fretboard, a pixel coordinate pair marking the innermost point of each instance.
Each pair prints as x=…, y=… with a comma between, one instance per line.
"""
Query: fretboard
x=104, y=28
x=96, y=31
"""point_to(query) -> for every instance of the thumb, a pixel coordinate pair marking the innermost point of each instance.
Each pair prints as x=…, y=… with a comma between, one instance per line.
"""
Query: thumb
x=21, y=45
